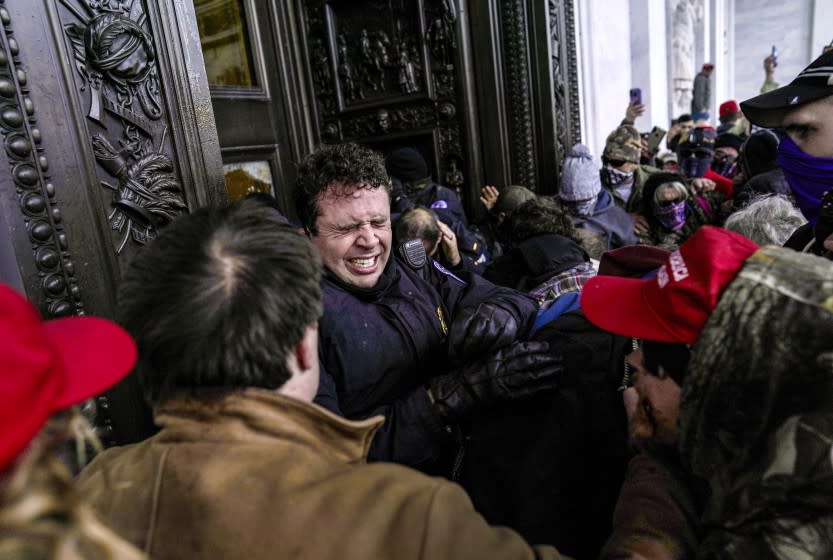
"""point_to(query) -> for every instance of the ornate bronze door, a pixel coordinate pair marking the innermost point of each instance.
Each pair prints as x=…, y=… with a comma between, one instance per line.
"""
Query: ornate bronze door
x=108, y=136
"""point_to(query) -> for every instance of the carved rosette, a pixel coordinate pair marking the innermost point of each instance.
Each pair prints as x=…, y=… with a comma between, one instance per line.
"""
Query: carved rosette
x=37, y=195
x=519, y=91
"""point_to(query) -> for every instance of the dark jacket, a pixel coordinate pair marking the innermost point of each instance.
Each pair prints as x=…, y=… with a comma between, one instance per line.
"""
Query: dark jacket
x=609, y=220
x=438, y=197
x=381, y=345
x=768, y=182
x=551, y=466
x=535, y=260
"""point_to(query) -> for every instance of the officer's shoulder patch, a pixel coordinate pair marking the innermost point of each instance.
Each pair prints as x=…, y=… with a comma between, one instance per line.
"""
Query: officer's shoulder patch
x=443, y=270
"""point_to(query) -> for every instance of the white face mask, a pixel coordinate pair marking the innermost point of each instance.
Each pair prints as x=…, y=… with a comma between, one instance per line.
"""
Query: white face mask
x=614, y=177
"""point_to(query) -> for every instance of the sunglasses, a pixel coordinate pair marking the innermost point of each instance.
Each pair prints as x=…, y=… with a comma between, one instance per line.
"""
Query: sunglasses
x=696, y=153
x=614, y=162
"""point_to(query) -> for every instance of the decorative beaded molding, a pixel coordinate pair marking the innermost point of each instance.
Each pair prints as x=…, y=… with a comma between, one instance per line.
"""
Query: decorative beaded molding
x=519, y=92
x=36, y=193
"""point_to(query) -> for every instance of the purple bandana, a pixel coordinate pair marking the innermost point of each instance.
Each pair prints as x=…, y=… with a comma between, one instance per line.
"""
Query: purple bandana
x=672, y=217
x=809, y=176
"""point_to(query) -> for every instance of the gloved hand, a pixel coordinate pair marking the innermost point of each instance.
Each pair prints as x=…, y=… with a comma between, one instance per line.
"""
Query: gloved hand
x=477, y=331
x=519, y=371
x=824, y=224
x=399, y=201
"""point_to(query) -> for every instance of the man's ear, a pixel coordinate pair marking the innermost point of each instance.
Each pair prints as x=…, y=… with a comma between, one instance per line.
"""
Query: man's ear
x=306, y=351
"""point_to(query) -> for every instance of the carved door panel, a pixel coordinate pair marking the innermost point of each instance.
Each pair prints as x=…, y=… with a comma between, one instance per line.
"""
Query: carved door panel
x=102, y=114
x=390, y=73
x=255, y=93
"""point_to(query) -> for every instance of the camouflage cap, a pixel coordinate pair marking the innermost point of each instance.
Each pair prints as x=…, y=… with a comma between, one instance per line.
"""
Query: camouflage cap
x=624, y=143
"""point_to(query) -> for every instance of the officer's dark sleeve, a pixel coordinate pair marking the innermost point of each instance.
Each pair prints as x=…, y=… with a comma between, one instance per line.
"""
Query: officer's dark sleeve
x=462, y=290
x=413, y=434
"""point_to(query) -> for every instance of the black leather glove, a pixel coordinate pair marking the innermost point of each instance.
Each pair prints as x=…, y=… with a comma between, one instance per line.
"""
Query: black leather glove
x=516, y=372
x=477, y=331
x=824, y=225
x=399, y=201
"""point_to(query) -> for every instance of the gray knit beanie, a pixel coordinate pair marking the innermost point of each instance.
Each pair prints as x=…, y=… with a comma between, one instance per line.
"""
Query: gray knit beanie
x=580, y=175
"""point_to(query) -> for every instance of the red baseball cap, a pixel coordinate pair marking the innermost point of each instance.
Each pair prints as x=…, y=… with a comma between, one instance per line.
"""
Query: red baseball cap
x=51, y=365
x=729, y=108
x=674, y=305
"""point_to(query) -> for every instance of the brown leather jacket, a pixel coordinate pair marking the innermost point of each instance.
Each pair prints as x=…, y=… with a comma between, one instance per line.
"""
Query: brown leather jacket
x=254, y=475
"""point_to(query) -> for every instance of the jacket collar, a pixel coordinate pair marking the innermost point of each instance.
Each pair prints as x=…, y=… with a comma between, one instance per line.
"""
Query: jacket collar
x=253, y=415
x=389, y=277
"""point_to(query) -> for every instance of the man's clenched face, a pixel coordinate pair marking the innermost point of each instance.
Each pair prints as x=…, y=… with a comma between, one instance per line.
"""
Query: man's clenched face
x=353, y=232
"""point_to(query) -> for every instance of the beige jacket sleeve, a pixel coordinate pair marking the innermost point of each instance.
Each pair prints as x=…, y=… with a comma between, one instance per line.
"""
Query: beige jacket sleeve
x=455, y=530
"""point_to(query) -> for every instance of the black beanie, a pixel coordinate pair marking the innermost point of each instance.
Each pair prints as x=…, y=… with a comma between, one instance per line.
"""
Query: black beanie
x=760, y=152
x=728, y=140
x=407, y=165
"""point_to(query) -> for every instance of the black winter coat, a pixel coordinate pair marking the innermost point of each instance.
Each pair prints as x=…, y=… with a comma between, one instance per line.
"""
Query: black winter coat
x=381, y=345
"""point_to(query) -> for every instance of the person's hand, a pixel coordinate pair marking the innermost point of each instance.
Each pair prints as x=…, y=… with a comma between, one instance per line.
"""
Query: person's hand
x=519, y=371
x=640, y=223
x=634, y=111
x=701, y=185
x=448, y=245
x=769, y=65
x=489, y=196
x=476, y=331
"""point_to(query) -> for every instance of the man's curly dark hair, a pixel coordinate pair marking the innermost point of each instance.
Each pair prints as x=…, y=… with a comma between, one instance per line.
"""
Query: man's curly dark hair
x=350, y=164
x=534, y=217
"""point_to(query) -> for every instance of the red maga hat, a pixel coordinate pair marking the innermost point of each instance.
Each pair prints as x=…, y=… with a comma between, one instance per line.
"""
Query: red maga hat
x=673, y=306
x=51, y=365
x=729, y=108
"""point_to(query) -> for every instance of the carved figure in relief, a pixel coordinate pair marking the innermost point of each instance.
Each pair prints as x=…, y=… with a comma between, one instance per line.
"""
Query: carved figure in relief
x=347, y=72
x=368, y=64
x=115, y=54
x=320, y=65
x=383, y=120
x=148, y=194
x=454, y=177
x=440, y=40
x=407, y=70
x=683, y=22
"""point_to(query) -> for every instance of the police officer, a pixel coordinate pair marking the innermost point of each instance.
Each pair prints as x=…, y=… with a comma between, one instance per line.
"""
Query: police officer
x=419, y=345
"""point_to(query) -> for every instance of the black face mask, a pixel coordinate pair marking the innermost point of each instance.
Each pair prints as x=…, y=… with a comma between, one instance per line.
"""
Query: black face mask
x=694, y=163
x=725, y=164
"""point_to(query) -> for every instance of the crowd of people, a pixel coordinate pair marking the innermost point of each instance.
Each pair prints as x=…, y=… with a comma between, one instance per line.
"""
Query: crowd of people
x=636, y=367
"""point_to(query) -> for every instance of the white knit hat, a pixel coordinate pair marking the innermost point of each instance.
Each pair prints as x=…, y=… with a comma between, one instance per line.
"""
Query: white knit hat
x=580, y=176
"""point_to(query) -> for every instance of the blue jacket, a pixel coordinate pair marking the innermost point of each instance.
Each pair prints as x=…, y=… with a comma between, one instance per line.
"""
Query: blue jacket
x=380, y=345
